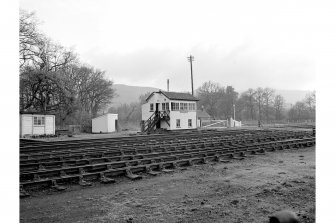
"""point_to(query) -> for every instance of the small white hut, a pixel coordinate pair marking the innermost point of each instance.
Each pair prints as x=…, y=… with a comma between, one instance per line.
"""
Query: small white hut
x=106, y=123
x=35, y=123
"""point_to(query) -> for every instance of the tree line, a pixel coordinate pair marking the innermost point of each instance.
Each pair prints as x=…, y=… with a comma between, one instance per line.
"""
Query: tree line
x=53, y=80
x=303, y=110
x=261, y=104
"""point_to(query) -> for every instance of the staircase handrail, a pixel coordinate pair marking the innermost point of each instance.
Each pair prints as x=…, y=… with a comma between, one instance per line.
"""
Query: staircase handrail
x=149, y=119
x=154, y=118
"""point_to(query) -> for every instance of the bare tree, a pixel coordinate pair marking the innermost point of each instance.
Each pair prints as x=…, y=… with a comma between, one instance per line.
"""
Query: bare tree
x=52, y=57
x=37, y=51
x=43, y=91
x=227, y=101
x=279, y=106
x=93, y=90
x=310, y=103
x=247, y=102
x=209, y=95
x=303, y=110
x=268, y=94
x=299, y=112
x=29, y=37
x=260, y=102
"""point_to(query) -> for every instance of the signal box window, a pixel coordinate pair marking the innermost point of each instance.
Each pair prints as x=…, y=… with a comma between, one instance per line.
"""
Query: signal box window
x=178, y=123
x=190, y=123
x=183, y=106
x=165, y=106
x=174, y=106
x=191, y=106
x=151, y=107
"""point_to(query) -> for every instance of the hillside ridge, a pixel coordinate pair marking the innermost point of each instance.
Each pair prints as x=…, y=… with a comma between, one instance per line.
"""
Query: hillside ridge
x=128, y=94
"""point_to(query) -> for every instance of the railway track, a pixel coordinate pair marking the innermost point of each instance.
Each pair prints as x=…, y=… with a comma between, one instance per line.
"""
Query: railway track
x=131, y=140
x=54, y=164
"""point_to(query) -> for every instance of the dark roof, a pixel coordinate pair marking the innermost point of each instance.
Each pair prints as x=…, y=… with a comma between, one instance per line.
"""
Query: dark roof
x=176, y=96
x=33, y=112
x=202, y=114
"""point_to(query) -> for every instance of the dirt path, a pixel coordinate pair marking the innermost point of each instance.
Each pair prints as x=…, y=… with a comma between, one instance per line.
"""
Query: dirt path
x=241, y=191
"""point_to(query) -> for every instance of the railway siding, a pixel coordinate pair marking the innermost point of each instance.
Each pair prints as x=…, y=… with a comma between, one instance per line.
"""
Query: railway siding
x=83, y=161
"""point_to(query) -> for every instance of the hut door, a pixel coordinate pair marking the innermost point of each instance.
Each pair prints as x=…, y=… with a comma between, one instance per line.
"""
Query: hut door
x=116, y=127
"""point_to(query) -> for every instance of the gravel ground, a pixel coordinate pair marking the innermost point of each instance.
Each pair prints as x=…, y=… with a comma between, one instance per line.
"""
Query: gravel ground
x=240, y=191
x=81, y=136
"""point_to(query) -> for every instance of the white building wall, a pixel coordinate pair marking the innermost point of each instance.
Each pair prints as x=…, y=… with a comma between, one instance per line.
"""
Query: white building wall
x=39, y=130
x=50, y=125
x=238, y=124
x=111, y=122
x=104, y=123
x=100, y=124
x=183, y=116
x=26, y=125
x=234, y=123
x=158, y=98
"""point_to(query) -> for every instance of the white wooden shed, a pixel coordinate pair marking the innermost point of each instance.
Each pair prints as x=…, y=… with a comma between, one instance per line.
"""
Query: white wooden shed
x=105, y=123
x=34, y=123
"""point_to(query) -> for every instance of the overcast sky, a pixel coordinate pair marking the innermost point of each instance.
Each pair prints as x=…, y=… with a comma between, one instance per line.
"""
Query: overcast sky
x=240, y=43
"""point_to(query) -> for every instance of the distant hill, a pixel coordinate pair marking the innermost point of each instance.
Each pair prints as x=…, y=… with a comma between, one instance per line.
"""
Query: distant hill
x=128, y=94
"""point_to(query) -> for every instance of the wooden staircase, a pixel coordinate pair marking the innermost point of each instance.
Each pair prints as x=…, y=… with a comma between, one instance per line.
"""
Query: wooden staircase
x=150, y=124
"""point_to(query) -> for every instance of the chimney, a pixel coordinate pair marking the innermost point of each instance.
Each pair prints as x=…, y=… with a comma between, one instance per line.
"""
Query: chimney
x=168, y=82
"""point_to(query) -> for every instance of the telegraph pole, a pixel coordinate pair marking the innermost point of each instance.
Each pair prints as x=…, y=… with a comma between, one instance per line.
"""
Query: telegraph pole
x=234, y=114
x=190, y=59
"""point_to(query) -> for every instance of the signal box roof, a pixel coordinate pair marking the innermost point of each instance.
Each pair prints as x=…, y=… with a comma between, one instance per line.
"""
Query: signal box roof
x=175, y=96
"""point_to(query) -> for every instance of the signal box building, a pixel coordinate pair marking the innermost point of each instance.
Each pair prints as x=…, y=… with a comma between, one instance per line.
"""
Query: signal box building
x=169, y=110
